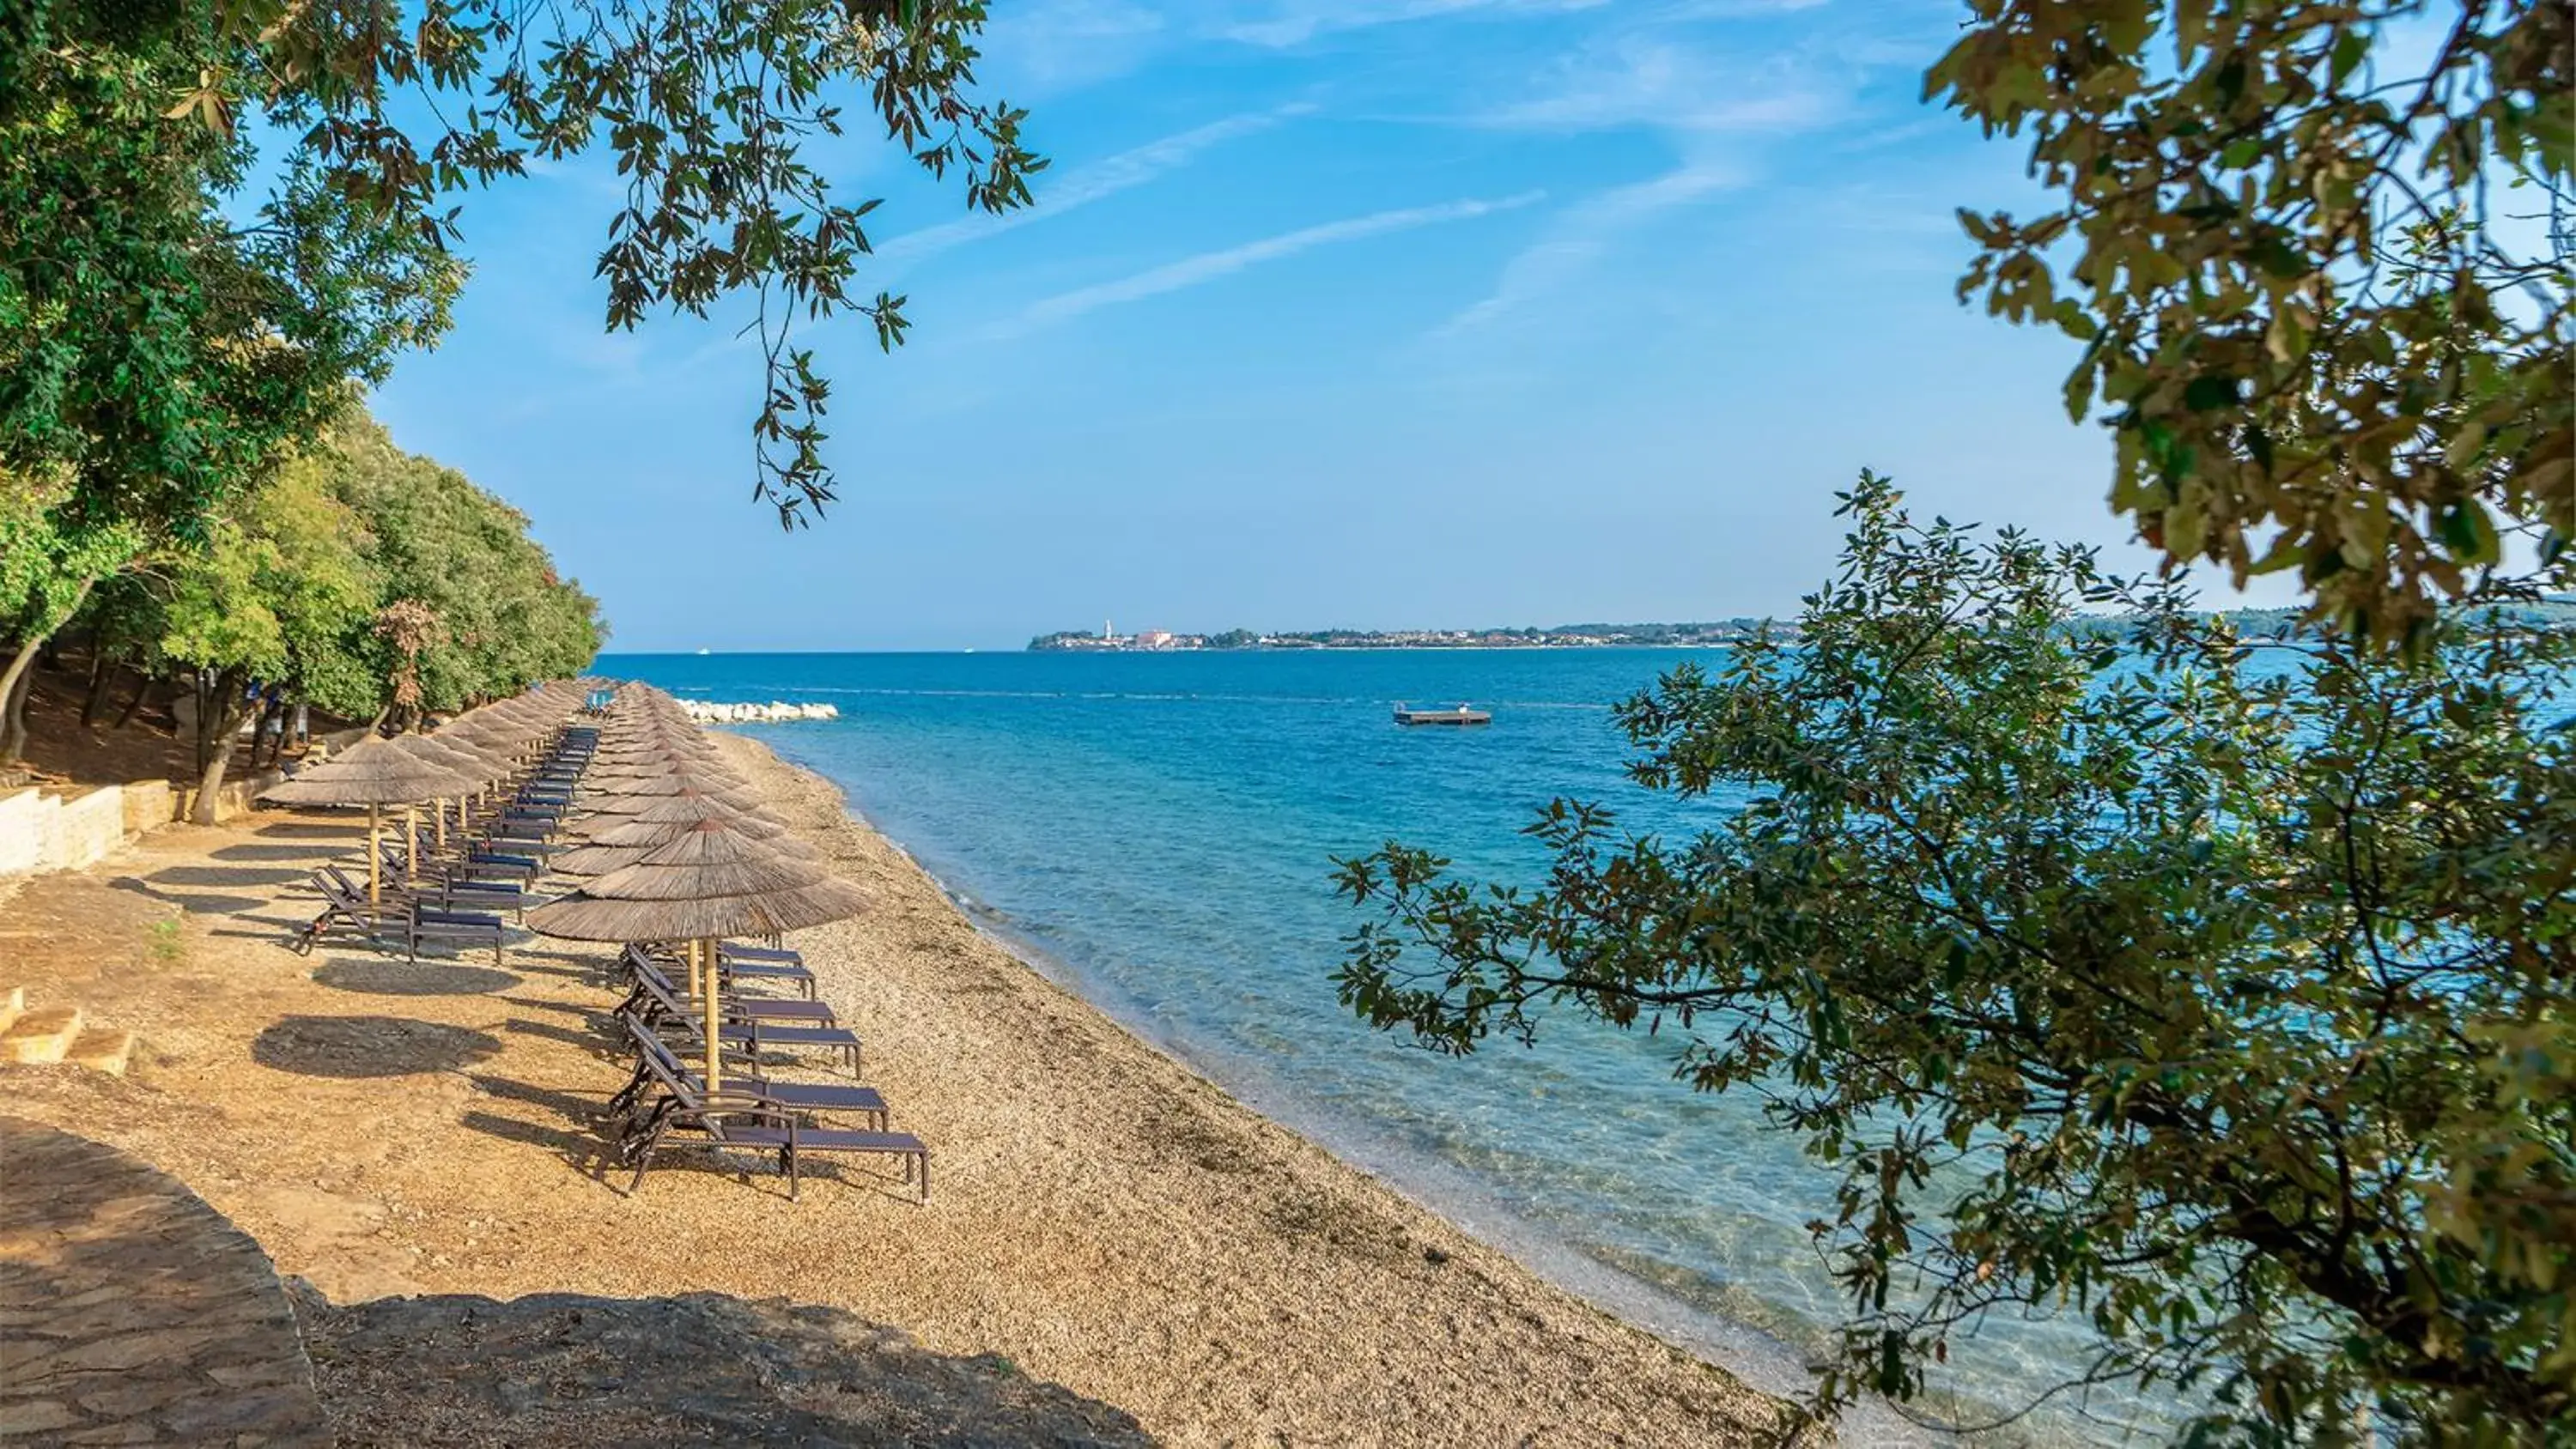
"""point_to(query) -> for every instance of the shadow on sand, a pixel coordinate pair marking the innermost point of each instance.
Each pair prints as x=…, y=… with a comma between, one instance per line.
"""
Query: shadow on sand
x=369, y=1046
x=700, y=1368
x=379, y=976
x=194, y=902
x=305, y=830
x=307, y=851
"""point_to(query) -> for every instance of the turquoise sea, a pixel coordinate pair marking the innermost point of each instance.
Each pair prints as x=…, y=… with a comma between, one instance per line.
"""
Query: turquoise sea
x=1158, y=831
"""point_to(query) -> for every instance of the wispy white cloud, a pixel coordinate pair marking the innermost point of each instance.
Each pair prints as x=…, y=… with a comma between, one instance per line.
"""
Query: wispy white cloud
x=1650, y=80
x=1284, y=23
x=1050, y=46
x=1717, y=105
x=1083, y=185
x=1209, y=266
x=1580, y=236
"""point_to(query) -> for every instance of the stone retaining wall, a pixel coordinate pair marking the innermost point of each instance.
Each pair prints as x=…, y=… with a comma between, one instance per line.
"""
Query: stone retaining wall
x=44, y=830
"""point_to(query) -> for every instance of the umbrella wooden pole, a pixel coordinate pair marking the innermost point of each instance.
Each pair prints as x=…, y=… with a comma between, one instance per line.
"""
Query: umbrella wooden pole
x=715, y=1048
x=375, y=856
x=439, y=808
x=411, y=848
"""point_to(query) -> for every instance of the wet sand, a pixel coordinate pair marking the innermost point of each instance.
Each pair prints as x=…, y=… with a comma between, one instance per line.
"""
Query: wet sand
x=1103, y=1218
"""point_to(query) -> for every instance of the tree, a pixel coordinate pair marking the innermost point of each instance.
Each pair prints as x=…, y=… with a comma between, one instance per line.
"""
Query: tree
x=2220, y=991
x=473, y=607
x=2323, y=290
x=161, y=338
x=709, y=106
x=49, y=560
x=273, y=598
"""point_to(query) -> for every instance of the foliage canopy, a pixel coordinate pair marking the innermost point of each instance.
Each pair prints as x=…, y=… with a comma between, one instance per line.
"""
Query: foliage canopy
x=713, y=109
x=354, y=577
x=2221, y=991
x=2318, y=257
x=156, y=351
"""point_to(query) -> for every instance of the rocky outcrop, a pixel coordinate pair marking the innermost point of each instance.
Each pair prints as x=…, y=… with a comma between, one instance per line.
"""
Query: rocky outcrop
x=556, y=1371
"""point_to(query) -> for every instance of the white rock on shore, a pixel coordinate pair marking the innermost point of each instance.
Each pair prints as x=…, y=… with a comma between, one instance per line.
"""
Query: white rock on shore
x=775, y=712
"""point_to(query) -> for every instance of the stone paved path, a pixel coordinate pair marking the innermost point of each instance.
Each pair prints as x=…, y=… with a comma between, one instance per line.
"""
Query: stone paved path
x=133, y=1313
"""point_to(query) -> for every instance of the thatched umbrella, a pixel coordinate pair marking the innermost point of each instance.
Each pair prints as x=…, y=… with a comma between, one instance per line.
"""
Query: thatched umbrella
x=612, y=802
x=673, y=781
x=374, y=773
x=493, y=745
x=470, y=771
x=632, y=838
x=711, y=882
x=691, y=806
x=686, y=808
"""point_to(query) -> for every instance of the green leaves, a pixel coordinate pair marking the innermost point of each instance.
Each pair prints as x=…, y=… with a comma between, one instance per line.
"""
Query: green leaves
x=358, y=577
x=468, y=607
x=2239, y=192
x=2215, y=990
x=2471, y=535
x=161, y=335
x=124, y=162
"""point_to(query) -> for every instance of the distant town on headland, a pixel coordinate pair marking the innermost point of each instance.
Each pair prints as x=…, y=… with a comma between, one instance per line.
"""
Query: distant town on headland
x=1564, y=636
x=2555, y=612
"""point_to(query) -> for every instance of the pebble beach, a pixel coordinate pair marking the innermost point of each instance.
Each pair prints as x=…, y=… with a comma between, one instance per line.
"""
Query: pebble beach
x=1103, y=1219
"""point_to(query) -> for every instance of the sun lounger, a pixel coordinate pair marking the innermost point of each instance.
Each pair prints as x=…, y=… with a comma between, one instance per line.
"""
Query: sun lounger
x=795, y=1096
x=347, y=912
x=664, y=1012
x=455, y=928
x=450, y=892
x=521, y=868
x=758, y=1122
x=733, y=970
x=347, y=915
x=651, y=986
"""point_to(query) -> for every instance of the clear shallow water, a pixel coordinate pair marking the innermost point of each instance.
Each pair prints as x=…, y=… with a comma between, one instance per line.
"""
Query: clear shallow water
x=1160, y=830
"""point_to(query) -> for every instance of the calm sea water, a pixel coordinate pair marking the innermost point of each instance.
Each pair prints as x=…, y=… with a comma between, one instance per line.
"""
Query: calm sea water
x=1158, y=830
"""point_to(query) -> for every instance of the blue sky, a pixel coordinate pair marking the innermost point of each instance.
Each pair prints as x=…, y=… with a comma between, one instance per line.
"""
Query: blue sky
x=1372, y=313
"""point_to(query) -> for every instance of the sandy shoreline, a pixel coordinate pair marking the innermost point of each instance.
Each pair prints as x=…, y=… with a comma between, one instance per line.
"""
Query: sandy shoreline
x=1105, y=1219
x=1759, y=1360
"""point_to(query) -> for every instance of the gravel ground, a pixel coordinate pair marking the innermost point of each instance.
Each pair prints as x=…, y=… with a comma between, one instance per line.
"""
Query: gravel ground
x=1104, y=1219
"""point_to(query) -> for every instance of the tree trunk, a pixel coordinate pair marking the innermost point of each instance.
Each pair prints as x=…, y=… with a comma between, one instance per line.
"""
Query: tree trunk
x=143, y=682
x=222, y=714
x=13, y=719
x=15, y=684
x=102, y=675
x=203, y=684
x=15, y=681
x=272, y=712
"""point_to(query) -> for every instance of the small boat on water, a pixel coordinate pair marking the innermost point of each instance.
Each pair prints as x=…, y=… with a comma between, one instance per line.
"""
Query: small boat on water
x=1461, y=715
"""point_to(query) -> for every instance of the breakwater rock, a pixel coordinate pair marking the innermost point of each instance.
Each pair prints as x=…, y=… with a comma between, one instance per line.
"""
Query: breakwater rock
x=775, y=712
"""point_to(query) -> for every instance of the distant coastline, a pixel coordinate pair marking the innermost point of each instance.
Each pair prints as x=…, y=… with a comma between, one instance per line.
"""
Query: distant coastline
x=1564, y=636
x=2554, y=612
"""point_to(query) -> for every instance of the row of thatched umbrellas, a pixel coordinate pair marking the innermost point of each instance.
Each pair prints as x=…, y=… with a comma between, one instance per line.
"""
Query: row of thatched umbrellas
x=677, y=846
x=475, y=753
